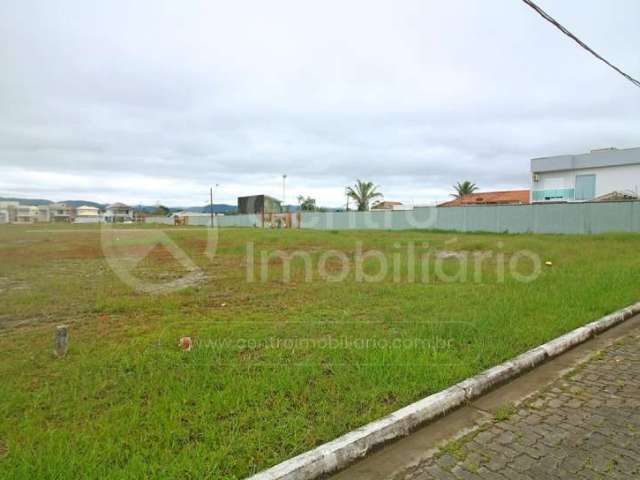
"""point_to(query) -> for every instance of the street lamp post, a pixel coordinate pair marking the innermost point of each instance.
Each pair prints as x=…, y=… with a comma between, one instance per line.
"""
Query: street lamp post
x=284, y=180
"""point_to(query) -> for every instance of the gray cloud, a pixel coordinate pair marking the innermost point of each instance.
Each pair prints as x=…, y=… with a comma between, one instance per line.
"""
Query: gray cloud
x=146, y=101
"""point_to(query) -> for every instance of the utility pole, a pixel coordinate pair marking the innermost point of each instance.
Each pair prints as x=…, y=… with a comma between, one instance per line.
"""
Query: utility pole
x=211, y=205
x=212, y=192
x=346, y=192
x=284, y=180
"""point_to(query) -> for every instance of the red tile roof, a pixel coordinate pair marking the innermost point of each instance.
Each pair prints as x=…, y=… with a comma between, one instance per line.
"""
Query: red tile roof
x=506, y=197
x=385, y=204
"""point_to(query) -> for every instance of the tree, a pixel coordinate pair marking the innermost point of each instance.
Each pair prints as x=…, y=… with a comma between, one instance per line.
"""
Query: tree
x=363, y=193
x=464, y=188
x=161, y=211
x=307, y=204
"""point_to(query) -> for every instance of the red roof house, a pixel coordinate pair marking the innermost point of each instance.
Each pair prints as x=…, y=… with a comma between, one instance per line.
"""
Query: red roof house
x=506, y=197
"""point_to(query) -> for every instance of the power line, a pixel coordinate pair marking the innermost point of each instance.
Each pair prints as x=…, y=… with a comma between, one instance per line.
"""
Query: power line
x=559, y=26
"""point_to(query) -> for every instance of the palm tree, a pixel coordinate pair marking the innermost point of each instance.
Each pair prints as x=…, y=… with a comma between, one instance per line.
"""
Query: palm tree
x=363, y=193
x=464, y=188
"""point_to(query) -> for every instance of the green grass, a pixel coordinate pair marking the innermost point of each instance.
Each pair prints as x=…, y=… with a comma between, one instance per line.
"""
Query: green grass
x=504, y=412
x=278, y=367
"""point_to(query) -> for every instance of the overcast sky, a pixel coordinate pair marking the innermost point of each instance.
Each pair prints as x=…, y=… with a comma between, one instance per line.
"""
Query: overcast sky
x=150, y=101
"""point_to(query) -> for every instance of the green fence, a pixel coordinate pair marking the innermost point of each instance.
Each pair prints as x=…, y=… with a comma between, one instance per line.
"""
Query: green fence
x=579, y=218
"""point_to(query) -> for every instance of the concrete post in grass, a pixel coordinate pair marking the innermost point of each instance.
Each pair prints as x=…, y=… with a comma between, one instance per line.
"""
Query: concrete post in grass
x=62, y=341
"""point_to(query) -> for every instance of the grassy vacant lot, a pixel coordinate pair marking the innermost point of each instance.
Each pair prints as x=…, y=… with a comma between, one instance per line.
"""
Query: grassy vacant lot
x=279, y=366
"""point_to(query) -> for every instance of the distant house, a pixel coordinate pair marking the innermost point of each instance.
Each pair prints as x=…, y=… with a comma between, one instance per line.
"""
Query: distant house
x=192, y=218
x=13, y=212
x=44, y=213
x=505, y=197
x=140, y=215
x=88, y=214
x=26, y=214
x=257, y=204
x=62, y=213
x=386, y=205
x=118, y=213
x=8, y=211
x=587, y=176
x=87, y=211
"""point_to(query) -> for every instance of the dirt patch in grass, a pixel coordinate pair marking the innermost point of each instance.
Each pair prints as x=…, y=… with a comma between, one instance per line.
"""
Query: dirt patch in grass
x=7, y=284
x=81, y=252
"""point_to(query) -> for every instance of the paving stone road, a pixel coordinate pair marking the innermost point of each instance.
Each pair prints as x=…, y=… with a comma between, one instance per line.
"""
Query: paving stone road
x=586, y=425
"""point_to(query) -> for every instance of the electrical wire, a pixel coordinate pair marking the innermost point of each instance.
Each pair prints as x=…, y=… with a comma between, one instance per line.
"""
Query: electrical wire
x=564, y=30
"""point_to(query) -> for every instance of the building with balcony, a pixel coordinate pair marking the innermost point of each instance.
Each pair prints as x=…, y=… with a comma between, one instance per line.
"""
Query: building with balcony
x=88, y=214
x=62, y=213
x=27, y=214
x=119, y=213
x=585, y=177
x=8, y=211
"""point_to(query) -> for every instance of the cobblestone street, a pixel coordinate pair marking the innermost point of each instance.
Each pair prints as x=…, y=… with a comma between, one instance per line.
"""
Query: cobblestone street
x=583, y=426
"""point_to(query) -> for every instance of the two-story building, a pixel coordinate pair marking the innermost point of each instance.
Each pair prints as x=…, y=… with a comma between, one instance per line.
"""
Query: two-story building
x=27, y=214
x=62, y=213
x=87, y=214
x=118, y=213
x=44, y=213
x=8, y=211
x=603, y=173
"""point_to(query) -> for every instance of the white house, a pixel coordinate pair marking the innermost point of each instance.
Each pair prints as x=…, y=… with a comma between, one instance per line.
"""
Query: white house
x=27, y=214
x=118, y=212
x=587, y=176
x=8, y=211
x=87, y=214
x=44, y=213
x=62, y=213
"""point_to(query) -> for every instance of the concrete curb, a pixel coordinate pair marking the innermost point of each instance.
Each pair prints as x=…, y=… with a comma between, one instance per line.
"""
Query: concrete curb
x=339, y=453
